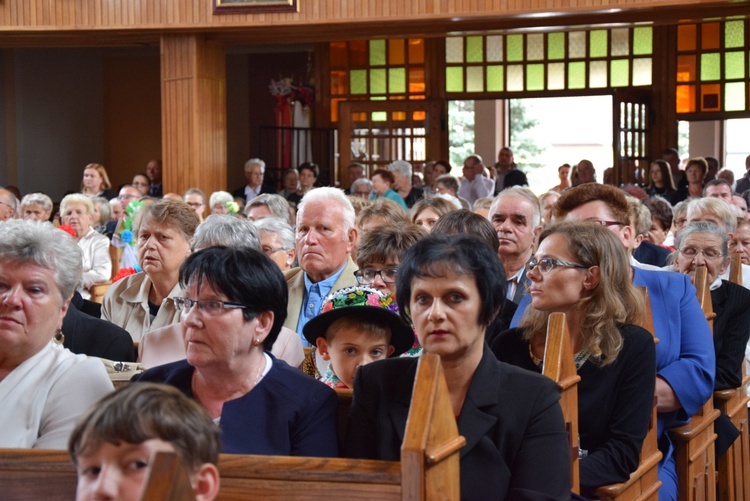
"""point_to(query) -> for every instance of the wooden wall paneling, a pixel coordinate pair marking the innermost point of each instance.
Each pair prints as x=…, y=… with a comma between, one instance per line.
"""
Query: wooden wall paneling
x=664, y=115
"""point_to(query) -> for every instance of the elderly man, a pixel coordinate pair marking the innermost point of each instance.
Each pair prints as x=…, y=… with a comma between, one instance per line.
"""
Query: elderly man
x=267, y=205
x=196, y=199
x=8, y=205
x=153, y=172
x=354, y=171
x=718, y=188
x=744, y=182
x=475, y=184
x=255, y=169
x=402, y=182
x=507, y=171
x=517, y=218
x=325, y=237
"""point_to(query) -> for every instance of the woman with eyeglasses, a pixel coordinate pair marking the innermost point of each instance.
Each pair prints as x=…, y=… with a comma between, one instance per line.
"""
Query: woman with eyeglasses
x=234, y=305
x=581, y=269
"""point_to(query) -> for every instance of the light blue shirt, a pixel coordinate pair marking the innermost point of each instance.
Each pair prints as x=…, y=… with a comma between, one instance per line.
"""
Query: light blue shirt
x=313, y=300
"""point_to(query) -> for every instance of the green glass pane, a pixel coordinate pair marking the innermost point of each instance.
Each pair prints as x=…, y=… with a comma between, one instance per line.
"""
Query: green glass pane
x=377, y=52
x=377, y=81
x=515, y=47
x=474, y=49
x=454, y=50
x=556, y=46
x=535, y=46
x=454, y=79
x=577, y=75
x=378, y=98
x=642, y=71
x=643, y=40
x=710, y=65
x=358, y=81
x=734, y=34
x=396, y=80
x=577, y=44
x=379, y=116
x=734, y=65
x=556, y=76
x=598, y=43
x=535, y=77
x=619, y=72
x=515, y=77
x=734, y=96
x=494, y=48
x=495, y=75
x=474, y=81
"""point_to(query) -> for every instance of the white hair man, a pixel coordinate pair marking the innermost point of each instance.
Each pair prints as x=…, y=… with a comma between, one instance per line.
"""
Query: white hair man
x=255, y=169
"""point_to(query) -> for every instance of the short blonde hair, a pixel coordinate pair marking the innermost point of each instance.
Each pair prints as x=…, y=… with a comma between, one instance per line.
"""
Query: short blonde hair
x=77, y=198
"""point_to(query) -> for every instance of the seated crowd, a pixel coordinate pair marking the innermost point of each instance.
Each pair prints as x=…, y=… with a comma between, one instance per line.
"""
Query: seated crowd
x=252, y=318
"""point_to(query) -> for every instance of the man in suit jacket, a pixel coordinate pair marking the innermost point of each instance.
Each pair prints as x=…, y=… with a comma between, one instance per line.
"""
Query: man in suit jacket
x=325, y=237
x=255, y=169
x=507, y=171
x=95, y=337
x=517, y=217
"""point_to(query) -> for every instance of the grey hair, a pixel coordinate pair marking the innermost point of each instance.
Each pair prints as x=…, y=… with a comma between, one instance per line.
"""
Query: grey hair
x=255, y=161
x=279, y=227
x=105, y=210
x=523, y=192
x=359, y=182
x=40, y=243
x=195, y=191
x=715, y=206
x=277, y=204
x=402, y=167
x=39, y=199
x=227, y=231
x=76, y=198
x=328, y=195
x=10, y=199
x=220, y=197
x=703, y=227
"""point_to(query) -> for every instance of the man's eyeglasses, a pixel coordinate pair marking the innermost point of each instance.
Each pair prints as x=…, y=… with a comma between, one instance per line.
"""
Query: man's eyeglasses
x=367, y=276
x=710, y=253
x=548, y=264
x=209, y=306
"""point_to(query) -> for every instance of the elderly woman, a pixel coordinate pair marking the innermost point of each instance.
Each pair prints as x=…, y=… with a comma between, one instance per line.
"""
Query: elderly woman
x=101, y=215
x=96, y=182
x=277, y=241
x=77, y=211
x=144, y=301
x=451, y=288
x=234, y=306
x=36, y=206
x=381, y=211
x=382, y=182
x=43, y=386
x=220, y=202
x=361, y=188
x=581, y=269
x=427, y=211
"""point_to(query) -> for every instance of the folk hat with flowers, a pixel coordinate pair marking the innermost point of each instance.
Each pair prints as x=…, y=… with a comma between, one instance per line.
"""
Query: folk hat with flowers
x=366, y=304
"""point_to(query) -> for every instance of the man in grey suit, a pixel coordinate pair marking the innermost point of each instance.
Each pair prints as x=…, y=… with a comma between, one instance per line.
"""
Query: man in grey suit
x=325, y=236
x=517, y=217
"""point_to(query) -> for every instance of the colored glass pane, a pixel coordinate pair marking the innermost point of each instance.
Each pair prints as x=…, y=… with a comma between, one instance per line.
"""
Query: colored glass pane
x=495, y=78
x=475, y=49
x=379, y=116
x=710, y=35
x=335, y=109
x=396, y=51
x=454, y=79
x=710, y=97
x=686, y=37
x=643, y=43
x=398, y=116
x=358, y=53
x=416, y=51
x=474, y=79
x=454, y=50
x=577, y=75
x=686, y=71
x=377, y=81
x=358, y=81
x=598, y=43
x=685, y=98
x=556, y=45
x=515, y=47
x=494, y=48
x=577, y=44
x=734, y=65
x=339, y=83
x=597, y=74
x=620, y=41
x=642, y=71
x=377, y=52
x=535, y=77
x=416, y=80
x=619, y=72
x=396, y=80
x=535, y=47
x=734, y=34
x=710, y=66
x=556, y=76
x=378, y=98
x=734, y=96
x=337, y=54
x=515, y=77
x=419, y=116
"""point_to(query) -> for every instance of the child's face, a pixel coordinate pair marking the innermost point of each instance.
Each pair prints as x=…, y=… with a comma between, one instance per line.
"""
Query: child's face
x=351, y=348
x=117, y=471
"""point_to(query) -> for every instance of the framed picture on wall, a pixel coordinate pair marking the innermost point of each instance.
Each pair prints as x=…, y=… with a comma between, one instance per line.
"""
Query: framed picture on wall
x=252, y=6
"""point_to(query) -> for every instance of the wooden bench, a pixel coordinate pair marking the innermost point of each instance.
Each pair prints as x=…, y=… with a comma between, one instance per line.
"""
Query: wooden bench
x=429, y=466
x=97, y=291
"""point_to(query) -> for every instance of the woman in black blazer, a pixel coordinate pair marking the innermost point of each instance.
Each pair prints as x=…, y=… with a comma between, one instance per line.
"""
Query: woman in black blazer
x=451, y=288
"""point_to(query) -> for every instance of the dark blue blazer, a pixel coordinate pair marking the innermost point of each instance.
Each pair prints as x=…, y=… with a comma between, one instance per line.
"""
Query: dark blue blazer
x=287, y=414
x=649, y=253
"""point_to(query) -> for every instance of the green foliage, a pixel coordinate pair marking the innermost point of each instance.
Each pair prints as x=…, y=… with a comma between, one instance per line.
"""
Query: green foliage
x=522, y=136
x=461, y=130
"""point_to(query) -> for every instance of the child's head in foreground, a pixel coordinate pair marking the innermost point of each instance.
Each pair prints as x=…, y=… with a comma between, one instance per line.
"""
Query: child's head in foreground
x=113, y=445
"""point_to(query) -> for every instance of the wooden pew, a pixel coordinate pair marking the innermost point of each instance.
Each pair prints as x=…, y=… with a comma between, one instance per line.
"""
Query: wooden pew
x=98, y=290
x=735, y=270
x=429, y=466
x=694, y=452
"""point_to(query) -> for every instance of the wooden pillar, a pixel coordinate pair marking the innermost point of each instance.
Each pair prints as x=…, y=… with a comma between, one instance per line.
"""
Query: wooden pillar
x=194, y=118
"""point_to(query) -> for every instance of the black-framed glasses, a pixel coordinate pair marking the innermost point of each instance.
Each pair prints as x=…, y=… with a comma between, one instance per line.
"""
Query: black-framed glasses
x=605, y=223
x=367, y=276
x=710, y=253
x=548, y=264
x=209, y=306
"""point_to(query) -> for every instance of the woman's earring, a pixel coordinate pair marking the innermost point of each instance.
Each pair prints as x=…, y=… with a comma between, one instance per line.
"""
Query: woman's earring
x=59, y=337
